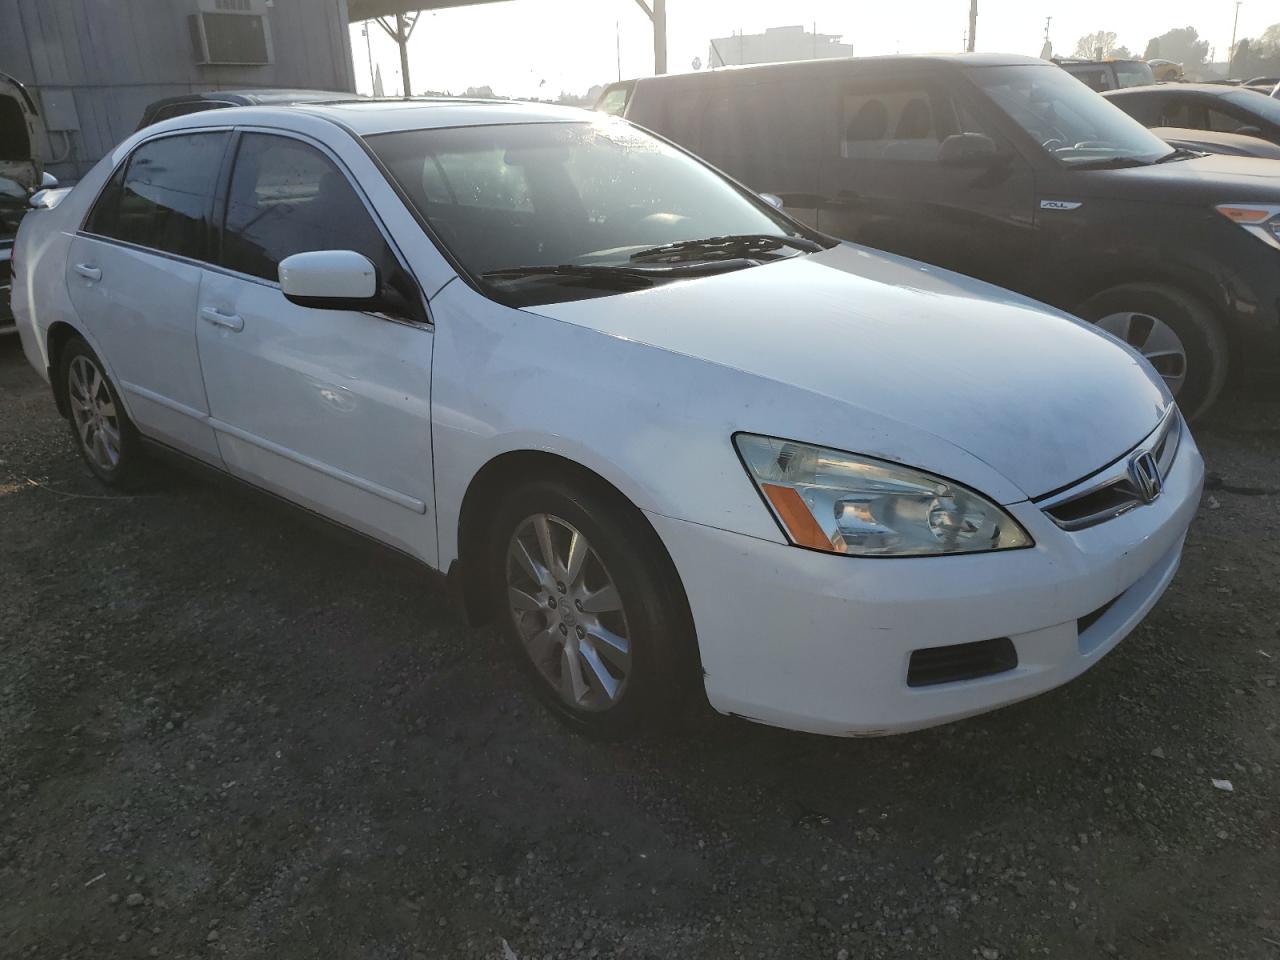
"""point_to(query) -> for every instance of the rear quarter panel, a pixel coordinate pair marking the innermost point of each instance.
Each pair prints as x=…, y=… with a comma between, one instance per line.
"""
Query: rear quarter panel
x=40, y=297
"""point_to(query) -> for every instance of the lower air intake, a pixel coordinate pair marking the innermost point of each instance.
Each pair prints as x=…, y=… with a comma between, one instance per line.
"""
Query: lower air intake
x=961, y=661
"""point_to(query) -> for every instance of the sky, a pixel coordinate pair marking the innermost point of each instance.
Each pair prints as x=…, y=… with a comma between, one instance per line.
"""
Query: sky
x=539, y=48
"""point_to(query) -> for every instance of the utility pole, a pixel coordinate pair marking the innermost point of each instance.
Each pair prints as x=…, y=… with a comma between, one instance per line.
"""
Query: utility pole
x=1231, y=60
x=1046, y=52
x=368, y=49
x=400, y=33
x=657, y=15
x=973, y=25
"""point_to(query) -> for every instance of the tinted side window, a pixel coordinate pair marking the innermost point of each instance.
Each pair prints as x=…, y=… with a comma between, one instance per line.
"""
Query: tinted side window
x=287, y=197
x=1224, y=122
x=1183, y=113
x=161, y=198
x=1146, y=109
x=900, y=123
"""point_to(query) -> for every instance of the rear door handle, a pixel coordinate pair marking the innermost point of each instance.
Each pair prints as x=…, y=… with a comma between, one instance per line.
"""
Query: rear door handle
x=230, y=321
x=88, y=271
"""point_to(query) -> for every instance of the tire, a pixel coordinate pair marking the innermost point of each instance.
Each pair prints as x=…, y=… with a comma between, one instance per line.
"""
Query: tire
x=103, y=433
x=1142, y=314
x=565, y=632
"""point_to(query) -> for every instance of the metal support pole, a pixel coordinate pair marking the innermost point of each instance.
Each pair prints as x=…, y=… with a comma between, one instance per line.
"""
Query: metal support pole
x=1231, y=61
x=973, y=24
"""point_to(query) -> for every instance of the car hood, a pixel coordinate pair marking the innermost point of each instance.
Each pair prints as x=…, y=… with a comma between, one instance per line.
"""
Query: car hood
x=1211, y=141
x=1197, y=181
x=1039, y=396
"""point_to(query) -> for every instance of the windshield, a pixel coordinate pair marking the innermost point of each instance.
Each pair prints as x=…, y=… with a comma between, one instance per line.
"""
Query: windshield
x=1259, y=104
x=596, y=196
x=1073, y=123
x=1131, y=73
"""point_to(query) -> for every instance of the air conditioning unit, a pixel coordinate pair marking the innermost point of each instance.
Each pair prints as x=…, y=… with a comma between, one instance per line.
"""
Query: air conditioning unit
x=231, y=32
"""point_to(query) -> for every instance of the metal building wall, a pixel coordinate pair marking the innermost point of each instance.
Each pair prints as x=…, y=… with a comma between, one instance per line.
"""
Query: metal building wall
x=95, y=64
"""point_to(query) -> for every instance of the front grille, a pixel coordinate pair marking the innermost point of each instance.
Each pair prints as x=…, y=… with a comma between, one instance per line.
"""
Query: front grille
x=960, y=661
x=1110, y=492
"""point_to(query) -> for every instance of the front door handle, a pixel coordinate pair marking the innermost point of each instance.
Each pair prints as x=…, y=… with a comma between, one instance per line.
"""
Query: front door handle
x=230, y=321
x=88, y=271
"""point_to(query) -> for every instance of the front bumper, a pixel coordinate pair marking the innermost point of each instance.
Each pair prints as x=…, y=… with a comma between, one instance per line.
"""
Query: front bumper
x=822, y=643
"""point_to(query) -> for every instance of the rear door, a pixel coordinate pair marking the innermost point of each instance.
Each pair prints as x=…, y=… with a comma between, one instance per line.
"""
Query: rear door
x=330, y=408
x=882, y=182
x=134, y=274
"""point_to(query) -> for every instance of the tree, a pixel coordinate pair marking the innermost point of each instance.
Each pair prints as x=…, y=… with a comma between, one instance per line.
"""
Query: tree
x=1182, y=46
x=1240, y=59
x=1264, y=53
x=1099, y=46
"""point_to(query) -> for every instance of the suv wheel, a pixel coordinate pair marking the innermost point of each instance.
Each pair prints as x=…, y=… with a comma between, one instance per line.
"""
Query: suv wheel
x=104, y=434
x=1177, y=334
x=593, y=608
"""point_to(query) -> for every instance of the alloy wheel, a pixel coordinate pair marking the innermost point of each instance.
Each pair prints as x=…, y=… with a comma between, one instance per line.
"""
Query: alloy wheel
x=1155, y=340
x=568, y=613
x=94, y=413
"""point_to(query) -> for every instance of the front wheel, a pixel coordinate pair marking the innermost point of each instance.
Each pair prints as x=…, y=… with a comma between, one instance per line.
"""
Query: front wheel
x=1177, y=334
x=592, y=607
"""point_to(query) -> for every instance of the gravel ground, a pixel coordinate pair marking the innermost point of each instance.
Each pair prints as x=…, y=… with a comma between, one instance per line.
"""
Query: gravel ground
x=225, y=731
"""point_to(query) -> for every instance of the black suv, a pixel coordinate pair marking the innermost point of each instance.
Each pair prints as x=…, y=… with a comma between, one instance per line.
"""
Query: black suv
x=1008, y=169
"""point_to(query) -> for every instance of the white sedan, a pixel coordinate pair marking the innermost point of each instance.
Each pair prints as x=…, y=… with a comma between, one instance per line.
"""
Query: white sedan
x=665, y=434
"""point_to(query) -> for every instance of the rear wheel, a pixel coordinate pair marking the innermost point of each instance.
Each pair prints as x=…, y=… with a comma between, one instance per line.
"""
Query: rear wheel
x=103, y=432
x=1175, y=331
x=592, y=607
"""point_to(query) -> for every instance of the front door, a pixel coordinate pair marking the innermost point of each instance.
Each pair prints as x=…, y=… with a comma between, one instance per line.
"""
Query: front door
x=134, y=274
x=329, y=408
x=882, y=182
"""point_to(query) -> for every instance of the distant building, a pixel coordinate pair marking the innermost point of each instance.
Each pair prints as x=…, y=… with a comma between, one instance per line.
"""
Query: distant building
x=775, y=45
x=93, y=65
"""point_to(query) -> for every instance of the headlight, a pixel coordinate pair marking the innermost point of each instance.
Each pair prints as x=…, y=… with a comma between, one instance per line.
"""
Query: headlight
x=844, y=503
x=1260, y=219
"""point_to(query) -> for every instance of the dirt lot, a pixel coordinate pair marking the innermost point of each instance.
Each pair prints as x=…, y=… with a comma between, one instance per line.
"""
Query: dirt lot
x=227, y=732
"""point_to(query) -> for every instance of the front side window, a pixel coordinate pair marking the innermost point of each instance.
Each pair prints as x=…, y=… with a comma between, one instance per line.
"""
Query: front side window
x=1072, y=123
x=1252, y=104
x=287, y=197
x=582, y=197
x=162, y=196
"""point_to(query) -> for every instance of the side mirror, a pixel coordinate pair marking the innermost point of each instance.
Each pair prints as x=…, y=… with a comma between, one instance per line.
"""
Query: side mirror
x=1249, y=131
x=967, y=150
x=47, y=198
x=772, y=199
x=48, y=181
x=330, y=280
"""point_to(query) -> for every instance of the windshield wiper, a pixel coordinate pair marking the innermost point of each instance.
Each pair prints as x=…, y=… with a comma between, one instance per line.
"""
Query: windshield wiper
x=1109, y=163
x=733, y=246
x=1180, y=153
x=609, y=277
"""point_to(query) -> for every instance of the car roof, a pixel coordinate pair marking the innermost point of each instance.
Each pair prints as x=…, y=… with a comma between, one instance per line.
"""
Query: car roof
x=366, y=116
x=246, y=97
x=1214, y=89
x=889, y=62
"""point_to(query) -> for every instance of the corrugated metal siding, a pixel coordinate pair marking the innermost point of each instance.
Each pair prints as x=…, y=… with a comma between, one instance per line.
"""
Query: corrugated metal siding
x=116, y=56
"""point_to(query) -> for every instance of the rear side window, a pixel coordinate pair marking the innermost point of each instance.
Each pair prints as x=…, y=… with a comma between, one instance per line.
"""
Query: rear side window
x=614, y=100
x=287, y=197
x=161, y=198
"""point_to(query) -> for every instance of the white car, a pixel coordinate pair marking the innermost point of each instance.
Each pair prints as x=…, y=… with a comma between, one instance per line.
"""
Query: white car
x=662, y=432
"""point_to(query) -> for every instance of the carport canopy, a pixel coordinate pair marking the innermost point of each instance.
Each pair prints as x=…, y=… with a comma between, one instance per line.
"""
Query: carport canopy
x=405, y=14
